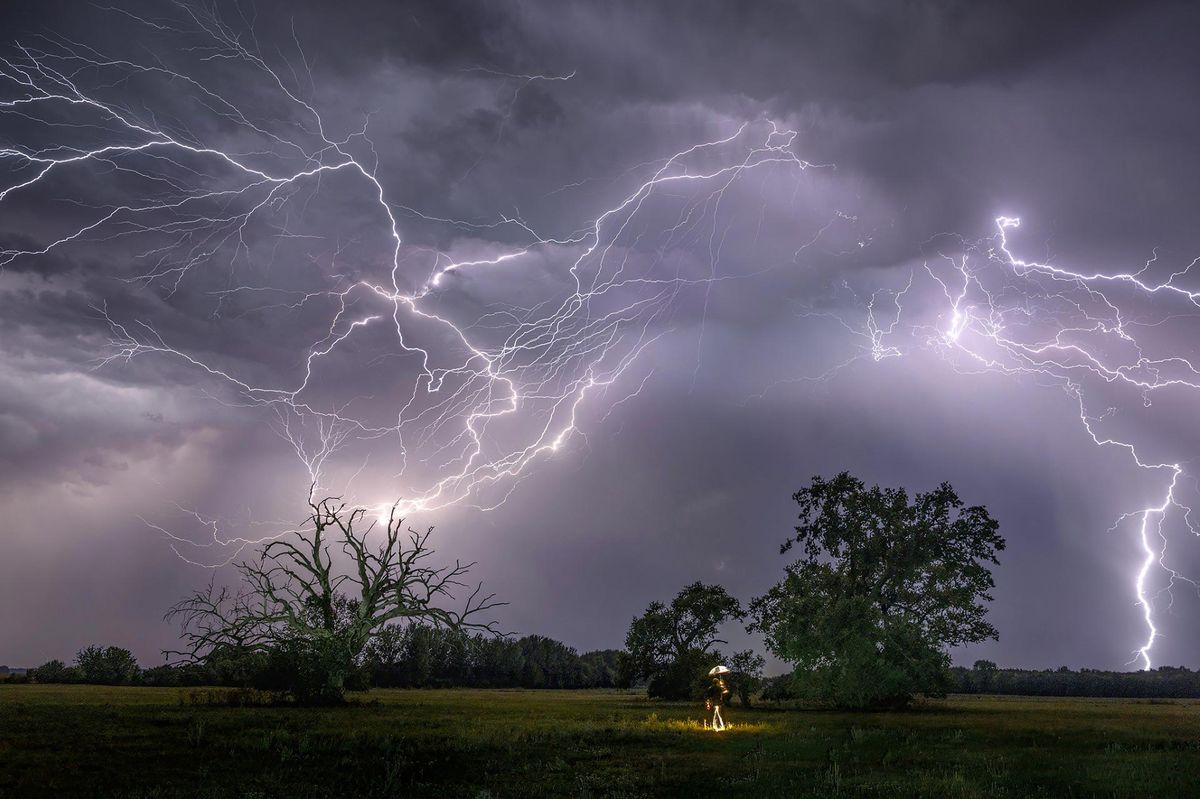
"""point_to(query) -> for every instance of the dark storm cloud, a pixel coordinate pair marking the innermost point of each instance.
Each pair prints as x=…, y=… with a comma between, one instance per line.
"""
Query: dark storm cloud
x=938, y=116
x=835, y=51
x=824, y=51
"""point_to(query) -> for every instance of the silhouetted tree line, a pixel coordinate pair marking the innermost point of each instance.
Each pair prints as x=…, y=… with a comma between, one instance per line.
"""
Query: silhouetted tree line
x=110, y=665
x=411, y=656
x=420, y=656
x=883, y=586
x=1167, y=682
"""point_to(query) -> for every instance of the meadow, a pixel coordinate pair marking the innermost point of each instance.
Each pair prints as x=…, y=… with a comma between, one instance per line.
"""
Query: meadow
x=74, y=740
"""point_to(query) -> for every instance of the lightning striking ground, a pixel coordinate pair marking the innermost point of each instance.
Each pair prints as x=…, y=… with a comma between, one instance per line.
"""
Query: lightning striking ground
x=1084, y=332
x=477, y=382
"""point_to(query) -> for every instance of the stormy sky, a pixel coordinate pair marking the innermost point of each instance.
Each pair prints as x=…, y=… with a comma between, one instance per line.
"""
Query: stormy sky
x=493, y=129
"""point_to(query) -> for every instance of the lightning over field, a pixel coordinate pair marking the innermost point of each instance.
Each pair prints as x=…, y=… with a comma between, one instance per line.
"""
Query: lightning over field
x=495, y=391
x=411, y=333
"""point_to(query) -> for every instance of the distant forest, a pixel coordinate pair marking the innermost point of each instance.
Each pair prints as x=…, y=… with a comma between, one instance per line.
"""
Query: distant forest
x=419, y=656
x=414, y=656
x=1167, y=682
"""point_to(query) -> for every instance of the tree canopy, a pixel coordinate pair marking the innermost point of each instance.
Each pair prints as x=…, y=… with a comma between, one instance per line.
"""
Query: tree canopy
x=883, y=587
x=670, y=644
x=108, y=665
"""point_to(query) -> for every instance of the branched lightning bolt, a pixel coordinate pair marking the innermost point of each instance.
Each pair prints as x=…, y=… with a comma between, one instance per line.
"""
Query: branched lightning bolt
x=501, y=389
x=486, y=393
x=1081, y=331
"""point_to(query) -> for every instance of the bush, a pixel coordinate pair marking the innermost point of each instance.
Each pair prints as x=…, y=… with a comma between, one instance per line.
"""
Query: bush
x=161, y=677
x=779, y=689
x=180, y=676
x=236, y=668
x=311, y=672
x=229, y=697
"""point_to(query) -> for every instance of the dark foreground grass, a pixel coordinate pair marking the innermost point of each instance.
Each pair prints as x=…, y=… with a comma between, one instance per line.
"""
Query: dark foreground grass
x=142, y=742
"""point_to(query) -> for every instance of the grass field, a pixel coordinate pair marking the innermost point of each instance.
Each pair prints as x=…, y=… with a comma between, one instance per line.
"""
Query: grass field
x=147, y=742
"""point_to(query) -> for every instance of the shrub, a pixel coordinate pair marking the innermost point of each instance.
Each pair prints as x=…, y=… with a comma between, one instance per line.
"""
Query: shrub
x=229, y=697
x=177, y=676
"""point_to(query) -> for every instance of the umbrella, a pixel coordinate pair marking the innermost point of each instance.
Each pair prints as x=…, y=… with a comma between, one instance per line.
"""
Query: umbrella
x=716, y=670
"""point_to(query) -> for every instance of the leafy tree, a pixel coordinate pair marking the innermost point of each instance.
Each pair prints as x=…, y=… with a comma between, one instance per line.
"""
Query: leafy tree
x=312, y=615
x=883, y=587
x=235, y=667
x=627, y=670
x=669, y=644
x=55, y=671
x=165, y=676
x=746, y=675
x=110, y=665
x=497, y=663
x=548, y=663
x=685, y=677
x=984, y=673
x=601, y=668
x=384, y=656
x=419, y=656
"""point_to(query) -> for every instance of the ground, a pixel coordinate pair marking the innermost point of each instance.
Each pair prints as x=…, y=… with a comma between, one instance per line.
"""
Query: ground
x=138, y=743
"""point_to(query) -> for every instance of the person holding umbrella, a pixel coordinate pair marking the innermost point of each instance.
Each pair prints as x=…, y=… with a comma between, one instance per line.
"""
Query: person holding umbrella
x=714, y=697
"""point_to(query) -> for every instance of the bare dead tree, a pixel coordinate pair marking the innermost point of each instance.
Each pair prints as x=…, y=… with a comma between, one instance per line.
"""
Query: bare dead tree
x=297, y=597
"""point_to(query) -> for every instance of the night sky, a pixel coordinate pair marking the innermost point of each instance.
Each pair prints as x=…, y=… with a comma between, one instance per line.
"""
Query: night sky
x=733, y=340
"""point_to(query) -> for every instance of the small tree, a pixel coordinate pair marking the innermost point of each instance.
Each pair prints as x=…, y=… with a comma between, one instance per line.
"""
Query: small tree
x=746, y=675
x=983, y=673
x=671, y=645
x=55, y=671
x=110, y=665
x=883, y=588
x=313, y=618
